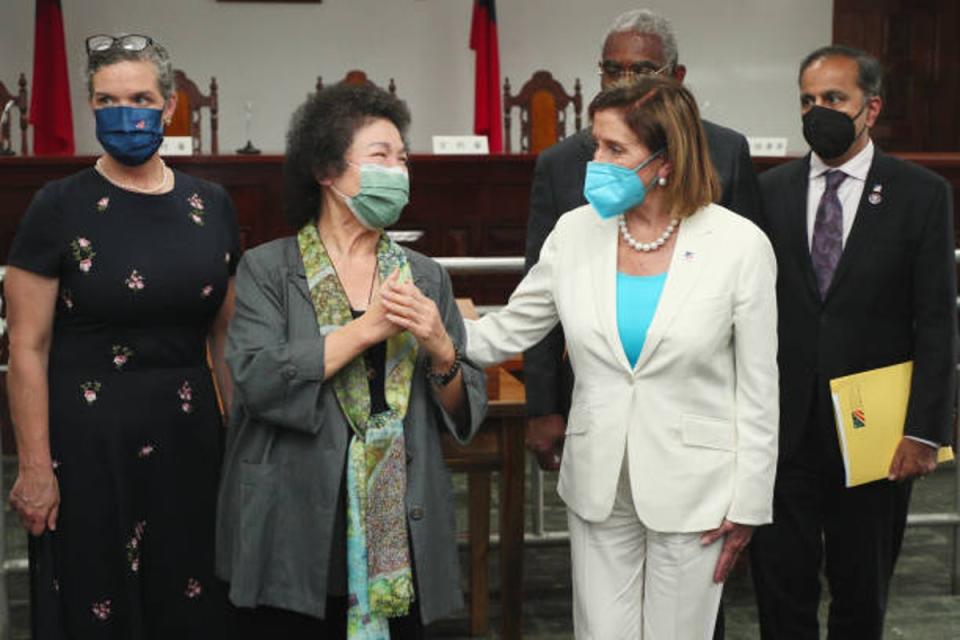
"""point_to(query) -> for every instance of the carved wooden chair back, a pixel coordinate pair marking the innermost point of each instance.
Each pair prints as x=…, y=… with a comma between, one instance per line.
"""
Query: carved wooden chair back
x=8, y=103
x=542, y=103
x=358, y=77
x=187, y=120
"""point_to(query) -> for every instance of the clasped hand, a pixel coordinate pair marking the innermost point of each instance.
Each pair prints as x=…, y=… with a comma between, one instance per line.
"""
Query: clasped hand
x=405, y=306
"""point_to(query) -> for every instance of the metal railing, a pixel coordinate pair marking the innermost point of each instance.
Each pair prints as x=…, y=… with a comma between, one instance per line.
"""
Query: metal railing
x=541, y=536
x=481, y=266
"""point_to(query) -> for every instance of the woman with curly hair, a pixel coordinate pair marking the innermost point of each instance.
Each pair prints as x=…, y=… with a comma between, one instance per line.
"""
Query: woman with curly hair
x=336, y=516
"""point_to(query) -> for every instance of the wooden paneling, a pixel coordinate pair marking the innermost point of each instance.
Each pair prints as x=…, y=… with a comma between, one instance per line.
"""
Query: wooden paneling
x=917, y=43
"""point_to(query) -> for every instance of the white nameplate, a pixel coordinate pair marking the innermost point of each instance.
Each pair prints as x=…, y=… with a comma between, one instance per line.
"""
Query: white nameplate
x=176, y=146
x=465, y=145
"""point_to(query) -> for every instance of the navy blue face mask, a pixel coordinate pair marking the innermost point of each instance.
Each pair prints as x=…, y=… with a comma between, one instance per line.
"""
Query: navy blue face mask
x=131, y=135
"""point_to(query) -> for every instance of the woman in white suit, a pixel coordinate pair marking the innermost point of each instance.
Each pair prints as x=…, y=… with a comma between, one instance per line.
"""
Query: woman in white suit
x=668, y=306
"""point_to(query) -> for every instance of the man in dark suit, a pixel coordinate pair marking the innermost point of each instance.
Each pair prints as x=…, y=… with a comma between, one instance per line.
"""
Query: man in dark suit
x=638, y=42
x=866, y=279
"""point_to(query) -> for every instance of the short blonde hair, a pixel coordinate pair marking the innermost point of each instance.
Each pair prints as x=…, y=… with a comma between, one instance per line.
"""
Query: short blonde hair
x=663, y=114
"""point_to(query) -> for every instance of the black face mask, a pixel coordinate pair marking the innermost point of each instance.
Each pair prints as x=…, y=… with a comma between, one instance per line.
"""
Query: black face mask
x=830, y=132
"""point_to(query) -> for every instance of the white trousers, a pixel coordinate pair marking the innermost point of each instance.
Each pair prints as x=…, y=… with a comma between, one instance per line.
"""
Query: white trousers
x=633, y=583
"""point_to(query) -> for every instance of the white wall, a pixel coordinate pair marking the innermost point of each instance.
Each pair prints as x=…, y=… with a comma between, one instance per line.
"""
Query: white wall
x=741, y=54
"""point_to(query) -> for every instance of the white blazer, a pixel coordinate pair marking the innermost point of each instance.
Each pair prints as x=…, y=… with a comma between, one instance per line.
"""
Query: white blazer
x=698, y=413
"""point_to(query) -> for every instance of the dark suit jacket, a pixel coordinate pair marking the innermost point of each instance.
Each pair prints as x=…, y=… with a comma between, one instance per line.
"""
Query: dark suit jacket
x=558, y=188
x=892, y=297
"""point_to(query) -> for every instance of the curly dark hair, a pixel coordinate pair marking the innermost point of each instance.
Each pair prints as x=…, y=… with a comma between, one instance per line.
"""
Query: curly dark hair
x=321, y=130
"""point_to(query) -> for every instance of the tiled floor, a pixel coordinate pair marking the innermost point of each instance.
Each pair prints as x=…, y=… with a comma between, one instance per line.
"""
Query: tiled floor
x=921, y=605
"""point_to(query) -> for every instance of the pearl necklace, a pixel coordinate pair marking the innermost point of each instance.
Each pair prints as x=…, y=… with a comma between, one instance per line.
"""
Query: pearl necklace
x=164, y=175
x=646, y=247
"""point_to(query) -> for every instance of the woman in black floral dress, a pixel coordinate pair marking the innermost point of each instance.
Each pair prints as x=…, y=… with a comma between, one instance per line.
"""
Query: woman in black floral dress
x=120, y=278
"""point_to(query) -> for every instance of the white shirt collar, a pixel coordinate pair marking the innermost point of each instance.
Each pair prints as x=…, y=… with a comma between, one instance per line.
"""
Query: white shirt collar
x=856, y=167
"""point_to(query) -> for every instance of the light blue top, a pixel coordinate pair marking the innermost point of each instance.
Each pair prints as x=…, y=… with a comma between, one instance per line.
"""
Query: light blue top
x=637, y=298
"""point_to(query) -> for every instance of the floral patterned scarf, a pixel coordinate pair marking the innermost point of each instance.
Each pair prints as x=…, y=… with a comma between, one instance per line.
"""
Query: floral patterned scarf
x=379, y=577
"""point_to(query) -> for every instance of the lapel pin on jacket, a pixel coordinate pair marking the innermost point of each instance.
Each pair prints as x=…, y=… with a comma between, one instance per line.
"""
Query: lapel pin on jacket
x=876, y=196
x=688, y=255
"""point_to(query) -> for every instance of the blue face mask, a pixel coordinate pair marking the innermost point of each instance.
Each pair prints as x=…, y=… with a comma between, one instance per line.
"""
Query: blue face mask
x=613, y=189
x=130, y=135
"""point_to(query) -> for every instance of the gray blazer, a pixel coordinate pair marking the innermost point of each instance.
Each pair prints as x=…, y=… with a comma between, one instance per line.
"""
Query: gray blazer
x=287, y=446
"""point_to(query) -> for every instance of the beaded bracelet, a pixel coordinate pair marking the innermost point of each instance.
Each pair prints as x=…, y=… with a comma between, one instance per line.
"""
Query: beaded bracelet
x=443, y=379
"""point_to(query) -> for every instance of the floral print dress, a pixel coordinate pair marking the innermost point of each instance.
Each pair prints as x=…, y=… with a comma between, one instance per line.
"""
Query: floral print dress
x=135, y=430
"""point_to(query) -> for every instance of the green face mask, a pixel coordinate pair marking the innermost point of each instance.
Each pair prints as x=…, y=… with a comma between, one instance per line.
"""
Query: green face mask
x=384, y=192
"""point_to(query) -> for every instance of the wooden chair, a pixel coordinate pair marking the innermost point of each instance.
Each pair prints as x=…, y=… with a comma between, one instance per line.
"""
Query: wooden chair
x=543, y=103
x=7, y=103
x=358, y=77
x=186, y=120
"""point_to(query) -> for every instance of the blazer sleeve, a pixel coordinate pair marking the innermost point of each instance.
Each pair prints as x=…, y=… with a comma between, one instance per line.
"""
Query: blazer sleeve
x=742, y=195
x=543, y=362
x=276, y=379
x=474, y=379
x=933, y=388
x=528, y=316
x=757, y=394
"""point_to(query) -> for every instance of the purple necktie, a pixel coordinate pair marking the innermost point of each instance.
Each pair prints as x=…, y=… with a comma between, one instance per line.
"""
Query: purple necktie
x=827, y=242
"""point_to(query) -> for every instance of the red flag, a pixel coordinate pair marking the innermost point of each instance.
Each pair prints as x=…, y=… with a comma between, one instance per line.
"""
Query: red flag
x=486, y=107
x=50, y=100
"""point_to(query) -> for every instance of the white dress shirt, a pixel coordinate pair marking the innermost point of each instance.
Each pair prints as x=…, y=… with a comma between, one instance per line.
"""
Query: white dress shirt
x=849, y=191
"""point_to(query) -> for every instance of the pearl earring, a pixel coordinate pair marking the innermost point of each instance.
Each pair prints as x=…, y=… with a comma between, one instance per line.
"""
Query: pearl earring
x=662, y=181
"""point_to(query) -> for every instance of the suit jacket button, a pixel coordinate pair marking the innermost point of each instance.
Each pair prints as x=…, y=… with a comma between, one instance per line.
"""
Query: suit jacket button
x=416, y=512
x=290, y=373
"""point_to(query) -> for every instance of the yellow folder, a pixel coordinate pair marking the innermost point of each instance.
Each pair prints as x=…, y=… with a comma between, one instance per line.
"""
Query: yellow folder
x=870, y=409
